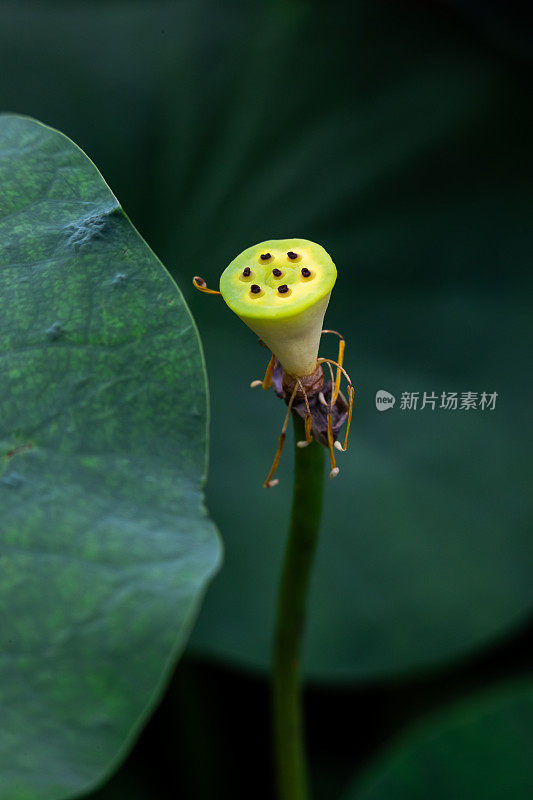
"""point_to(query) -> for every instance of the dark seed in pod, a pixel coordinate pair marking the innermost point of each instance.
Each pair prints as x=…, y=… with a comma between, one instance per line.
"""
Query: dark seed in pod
x=246, y=271
x=292, y=255
x=265, y=256
x=276, y=272
x=283, y=288
x=255, y=288
x=306, y=272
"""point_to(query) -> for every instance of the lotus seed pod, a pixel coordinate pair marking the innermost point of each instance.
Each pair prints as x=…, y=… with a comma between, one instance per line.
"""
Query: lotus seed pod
x=281, y=289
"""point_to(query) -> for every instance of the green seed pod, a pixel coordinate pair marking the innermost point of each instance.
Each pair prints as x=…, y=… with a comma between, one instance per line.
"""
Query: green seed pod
x=281, y=289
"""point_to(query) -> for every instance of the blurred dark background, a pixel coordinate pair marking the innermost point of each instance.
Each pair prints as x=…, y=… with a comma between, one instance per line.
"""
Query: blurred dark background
x=398, y=135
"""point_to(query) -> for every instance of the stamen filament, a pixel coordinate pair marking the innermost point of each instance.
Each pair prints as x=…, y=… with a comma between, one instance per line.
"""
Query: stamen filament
x=334, y=468
x=332, y=387
x=267, y=380
x=308, y=417
x=338, y=445
x=335, y=332
x=269, y=483
x=340, y=359
x=201, y=285
x=331, y=361
x=351, y=393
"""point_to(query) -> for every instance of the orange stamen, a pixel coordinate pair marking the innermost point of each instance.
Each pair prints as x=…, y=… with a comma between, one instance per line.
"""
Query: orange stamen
x=269, y=483
x=201, y=285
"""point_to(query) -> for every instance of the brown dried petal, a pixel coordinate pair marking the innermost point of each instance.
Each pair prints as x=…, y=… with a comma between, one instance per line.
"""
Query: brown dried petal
x=319, y=412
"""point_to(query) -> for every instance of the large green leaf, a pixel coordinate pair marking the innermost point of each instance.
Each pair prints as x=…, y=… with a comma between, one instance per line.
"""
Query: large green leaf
x=479, y=750
x=105, y=545
x=402, y=143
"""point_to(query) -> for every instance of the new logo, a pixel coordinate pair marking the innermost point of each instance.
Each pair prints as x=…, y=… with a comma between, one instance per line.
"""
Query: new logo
x=384, y=400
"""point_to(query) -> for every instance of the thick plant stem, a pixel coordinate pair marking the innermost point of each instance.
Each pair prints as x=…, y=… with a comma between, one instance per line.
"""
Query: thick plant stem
x=288, y=727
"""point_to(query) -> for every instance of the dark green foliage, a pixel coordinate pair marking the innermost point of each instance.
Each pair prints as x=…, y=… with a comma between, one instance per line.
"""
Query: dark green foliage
x=479, y=749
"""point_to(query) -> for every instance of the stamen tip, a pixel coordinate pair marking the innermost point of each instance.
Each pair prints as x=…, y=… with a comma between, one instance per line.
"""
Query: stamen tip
x=271, y=484
x=339, y=446
x=302, y=443
x=255, y=383
x=322, y=398
x=334, y=472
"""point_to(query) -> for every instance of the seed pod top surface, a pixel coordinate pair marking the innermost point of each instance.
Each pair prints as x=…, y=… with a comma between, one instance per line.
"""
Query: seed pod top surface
x=277, y=279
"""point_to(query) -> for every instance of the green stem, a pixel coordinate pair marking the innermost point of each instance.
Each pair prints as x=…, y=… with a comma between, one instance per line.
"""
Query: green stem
x=288, y=725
